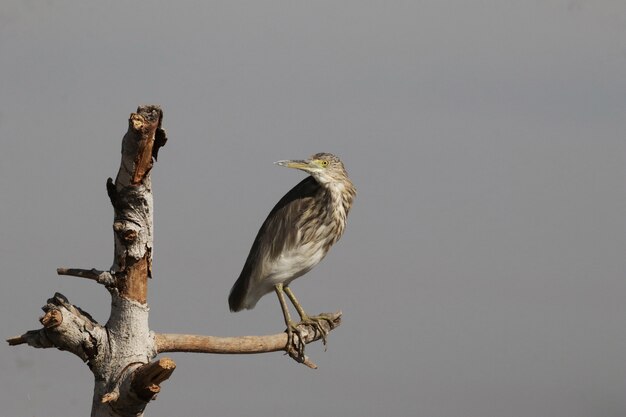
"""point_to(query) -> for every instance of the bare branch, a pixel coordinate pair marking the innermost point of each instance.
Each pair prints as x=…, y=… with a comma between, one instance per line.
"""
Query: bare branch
x=17, y=340
x=65, y=327
x=169, y=342
x=101, y=277
x=34, y=338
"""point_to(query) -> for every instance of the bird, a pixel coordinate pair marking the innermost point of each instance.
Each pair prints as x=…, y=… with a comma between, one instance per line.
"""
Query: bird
x=296, y=235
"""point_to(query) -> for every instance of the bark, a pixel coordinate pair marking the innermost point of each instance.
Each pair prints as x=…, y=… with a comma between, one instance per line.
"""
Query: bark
x=120, y=353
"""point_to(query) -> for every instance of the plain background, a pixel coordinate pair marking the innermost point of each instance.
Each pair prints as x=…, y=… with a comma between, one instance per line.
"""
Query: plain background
x=482, y=270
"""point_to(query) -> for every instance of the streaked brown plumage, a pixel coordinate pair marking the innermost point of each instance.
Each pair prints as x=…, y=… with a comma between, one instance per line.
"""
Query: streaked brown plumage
x=296, y=235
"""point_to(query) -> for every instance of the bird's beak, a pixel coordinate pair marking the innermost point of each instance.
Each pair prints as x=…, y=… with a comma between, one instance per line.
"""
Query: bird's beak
x=297, y=164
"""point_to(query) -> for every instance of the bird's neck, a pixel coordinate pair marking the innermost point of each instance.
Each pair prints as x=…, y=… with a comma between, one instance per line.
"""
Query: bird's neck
x=341, y=197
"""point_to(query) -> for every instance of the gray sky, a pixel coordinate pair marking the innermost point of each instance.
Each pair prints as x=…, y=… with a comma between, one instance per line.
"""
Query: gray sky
x=482, y=270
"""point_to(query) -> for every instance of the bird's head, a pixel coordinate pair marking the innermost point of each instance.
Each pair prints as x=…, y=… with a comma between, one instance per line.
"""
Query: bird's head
x=324, y=167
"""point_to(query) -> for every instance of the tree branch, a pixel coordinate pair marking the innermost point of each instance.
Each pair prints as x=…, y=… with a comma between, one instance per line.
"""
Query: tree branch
x=105, y=278
x=17, y=340
x=65, y=327
x=146, y=380
x=172, y=342
x=33, y=338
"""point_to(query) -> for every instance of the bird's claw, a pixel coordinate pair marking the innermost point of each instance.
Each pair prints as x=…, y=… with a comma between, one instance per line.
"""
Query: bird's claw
x=316, y=323
x=296, y=336
x=295, y=343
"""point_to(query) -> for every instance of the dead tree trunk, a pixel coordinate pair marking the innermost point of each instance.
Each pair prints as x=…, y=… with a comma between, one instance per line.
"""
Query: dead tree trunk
x=120, y=353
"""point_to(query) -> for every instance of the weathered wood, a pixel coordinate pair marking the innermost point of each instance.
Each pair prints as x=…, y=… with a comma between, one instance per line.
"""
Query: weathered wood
x=171, y=342
x=101, y=277
x=67, y=328
x=165, y=342
x=147, y=379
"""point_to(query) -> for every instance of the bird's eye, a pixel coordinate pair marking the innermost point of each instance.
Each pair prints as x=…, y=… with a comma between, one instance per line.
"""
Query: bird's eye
x=324, y=163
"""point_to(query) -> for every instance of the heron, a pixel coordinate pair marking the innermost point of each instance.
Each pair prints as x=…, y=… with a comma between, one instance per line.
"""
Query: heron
x=296, y=235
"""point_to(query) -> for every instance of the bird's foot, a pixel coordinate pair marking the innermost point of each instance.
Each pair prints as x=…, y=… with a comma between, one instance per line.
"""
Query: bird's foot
x=317, y=323
x=295, y=346
x=295, y=343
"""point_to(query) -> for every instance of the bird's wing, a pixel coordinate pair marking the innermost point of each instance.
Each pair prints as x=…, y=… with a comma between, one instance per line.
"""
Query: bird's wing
x=278, y=232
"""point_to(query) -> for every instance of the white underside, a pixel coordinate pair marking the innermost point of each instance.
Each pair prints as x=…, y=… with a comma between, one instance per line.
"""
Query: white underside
x=284, y=269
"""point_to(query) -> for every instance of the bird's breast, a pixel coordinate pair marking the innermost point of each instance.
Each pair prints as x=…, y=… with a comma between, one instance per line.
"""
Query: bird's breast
x=296, y=262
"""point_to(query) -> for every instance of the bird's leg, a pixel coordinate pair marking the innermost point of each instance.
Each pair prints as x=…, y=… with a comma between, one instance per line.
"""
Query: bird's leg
x=295, y=348
x=315, y=321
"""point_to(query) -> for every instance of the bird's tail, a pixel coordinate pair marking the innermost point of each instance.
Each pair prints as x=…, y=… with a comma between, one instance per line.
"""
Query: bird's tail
x=238, y=295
